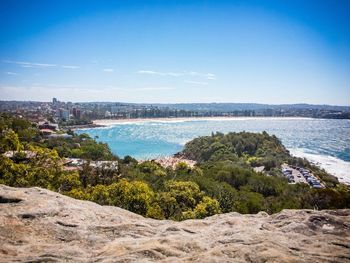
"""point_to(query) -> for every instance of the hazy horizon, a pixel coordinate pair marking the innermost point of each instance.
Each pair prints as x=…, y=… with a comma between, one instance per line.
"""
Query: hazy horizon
x=269, y=52
x=166, y=103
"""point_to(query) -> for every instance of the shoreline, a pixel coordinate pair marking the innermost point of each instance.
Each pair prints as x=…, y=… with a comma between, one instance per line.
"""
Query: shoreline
x=110, y=122
x=332, y=165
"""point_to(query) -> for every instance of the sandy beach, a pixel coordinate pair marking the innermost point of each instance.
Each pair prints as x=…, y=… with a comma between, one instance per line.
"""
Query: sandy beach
x=333, y=165
x=109, y=122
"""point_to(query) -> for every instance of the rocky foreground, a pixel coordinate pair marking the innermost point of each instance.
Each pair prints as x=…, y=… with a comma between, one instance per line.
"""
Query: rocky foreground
x=38, y=225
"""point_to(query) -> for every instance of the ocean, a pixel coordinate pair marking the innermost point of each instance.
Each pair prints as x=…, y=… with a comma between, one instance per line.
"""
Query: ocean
x=323, y=141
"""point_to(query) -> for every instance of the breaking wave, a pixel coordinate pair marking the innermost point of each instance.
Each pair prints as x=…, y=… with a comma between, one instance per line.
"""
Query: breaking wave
x=324, y=142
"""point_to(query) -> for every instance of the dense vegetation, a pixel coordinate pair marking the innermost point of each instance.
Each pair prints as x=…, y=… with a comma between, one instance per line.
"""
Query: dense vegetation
x=249, y=150
x=223, y=181
x=79, y=146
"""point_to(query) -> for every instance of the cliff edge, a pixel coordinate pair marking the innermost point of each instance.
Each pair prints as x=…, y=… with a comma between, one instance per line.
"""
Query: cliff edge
x=37, y=225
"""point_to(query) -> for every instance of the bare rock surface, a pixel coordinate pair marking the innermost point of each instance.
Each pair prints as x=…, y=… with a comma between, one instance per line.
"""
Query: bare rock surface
x=38, y=225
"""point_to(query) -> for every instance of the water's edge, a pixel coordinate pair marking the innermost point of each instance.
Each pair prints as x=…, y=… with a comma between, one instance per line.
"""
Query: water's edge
x=323, y=142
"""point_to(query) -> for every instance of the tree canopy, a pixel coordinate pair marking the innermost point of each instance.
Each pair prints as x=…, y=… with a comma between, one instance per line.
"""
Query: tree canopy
x=223, y=180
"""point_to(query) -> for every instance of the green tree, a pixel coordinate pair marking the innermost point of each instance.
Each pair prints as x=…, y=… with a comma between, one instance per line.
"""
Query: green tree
x=9, y=141
x=187, y=194
x=135, y=196
x=207, y=207
x=69, y=181
x=100, y=194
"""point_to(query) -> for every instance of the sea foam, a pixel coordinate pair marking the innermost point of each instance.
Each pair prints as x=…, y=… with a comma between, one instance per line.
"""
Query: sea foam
x=331, y=164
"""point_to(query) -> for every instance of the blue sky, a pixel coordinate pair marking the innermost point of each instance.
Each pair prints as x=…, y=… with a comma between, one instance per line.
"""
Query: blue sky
x=176, y=51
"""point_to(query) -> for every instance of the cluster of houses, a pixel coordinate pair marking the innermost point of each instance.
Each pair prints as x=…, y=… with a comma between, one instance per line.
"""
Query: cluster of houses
x=77, y=164
x=174, y=161
x=22, y=155
x=50, y=130
x=69, y=164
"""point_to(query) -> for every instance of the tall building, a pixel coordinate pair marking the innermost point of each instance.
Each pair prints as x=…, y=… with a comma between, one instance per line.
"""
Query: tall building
x=54, y=101
x=76, y=113
x=114, y=109
x=64, y=114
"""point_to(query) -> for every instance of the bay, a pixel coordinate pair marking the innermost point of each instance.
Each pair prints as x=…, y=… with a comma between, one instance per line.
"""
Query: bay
x=325, y=142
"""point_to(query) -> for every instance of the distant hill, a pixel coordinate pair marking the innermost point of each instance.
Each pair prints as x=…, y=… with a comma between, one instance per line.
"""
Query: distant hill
x=211, y=106
x=98, y=110
x=249, y=106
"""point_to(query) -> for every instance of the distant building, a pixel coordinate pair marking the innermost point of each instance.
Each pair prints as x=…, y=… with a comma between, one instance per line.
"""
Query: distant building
x=48, y=125
x=54, y=101
x=108, y=114
x=76, y=113
x=71, y=163
x=105, y=165
x=26, y=155
x=114, y=109
x=46, y=132
x=63, y=135
x=64, y=114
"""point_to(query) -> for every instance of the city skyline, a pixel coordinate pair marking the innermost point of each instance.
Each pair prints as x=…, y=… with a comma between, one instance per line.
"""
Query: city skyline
x=176, y=52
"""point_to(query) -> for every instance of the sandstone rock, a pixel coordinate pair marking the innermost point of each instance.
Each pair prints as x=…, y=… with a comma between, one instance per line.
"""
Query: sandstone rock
x=37, y=225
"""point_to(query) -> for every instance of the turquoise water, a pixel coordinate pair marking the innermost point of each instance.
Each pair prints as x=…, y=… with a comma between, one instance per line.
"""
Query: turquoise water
x=144, y=140
x=324, y=142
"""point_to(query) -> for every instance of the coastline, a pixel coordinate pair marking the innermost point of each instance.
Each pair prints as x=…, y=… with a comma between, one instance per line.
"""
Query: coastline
x=332, y=165
x=110, y=122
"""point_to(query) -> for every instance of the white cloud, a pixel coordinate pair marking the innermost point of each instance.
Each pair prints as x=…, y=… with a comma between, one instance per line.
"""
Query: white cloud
x=29, y=64
x=108, y=70
x=153, y=88
x=209, y=76
x=147, y=72
x=63, y=87
x=11, y=73
x=45, y=92
x=196, y=82
x=151, y=72
x=174, y=74
x=69, y=67
x=26, y=64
